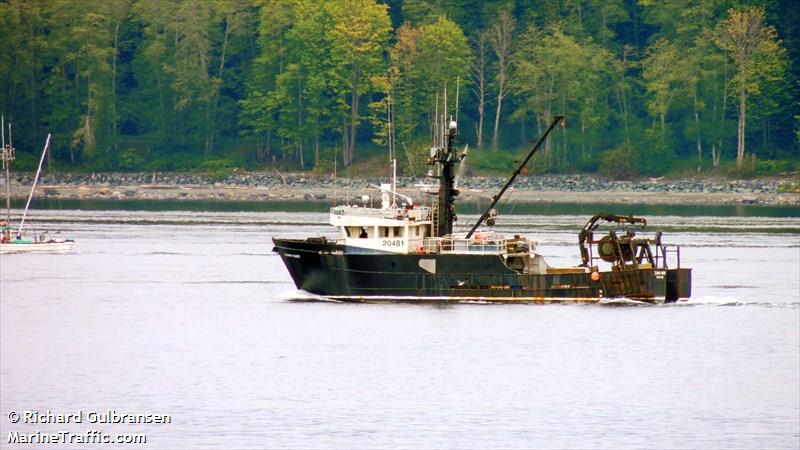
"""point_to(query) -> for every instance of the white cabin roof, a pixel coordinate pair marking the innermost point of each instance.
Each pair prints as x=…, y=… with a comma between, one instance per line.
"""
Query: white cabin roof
x=390, y=217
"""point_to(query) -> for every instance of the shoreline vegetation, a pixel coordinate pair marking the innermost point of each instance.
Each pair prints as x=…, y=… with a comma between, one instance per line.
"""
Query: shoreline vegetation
x=647, y=88
x=274, y=186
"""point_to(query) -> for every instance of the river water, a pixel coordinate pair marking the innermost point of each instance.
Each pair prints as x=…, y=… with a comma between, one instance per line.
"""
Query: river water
x=190, y=314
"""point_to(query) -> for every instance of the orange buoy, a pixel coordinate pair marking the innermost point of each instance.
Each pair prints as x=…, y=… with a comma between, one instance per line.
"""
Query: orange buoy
x=421, y=250
x=595, y=276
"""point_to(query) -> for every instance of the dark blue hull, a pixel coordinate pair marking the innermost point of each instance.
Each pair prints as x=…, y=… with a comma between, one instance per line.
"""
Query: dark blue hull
x=324, y=268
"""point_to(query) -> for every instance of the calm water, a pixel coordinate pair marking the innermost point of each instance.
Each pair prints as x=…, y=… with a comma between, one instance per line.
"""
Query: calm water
x=189, y=314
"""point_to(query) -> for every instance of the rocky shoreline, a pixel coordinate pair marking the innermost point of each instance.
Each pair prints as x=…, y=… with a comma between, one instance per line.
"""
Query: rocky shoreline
x=276, y=186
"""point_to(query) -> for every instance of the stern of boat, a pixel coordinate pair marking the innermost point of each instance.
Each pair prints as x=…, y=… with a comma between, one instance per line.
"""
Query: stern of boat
x=679, y=284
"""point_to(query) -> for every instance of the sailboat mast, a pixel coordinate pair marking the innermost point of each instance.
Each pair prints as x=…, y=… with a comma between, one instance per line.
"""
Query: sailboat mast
x=35, y=180
x=7, y=156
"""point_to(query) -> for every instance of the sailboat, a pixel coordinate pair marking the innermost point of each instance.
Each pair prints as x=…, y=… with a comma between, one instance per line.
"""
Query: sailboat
x=12, y=239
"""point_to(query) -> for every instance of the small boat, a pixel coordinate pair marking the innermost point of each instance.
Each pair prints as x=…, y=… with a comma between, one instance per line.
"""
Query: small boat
x=409, y=253
x=12, y=239
x=40, y=244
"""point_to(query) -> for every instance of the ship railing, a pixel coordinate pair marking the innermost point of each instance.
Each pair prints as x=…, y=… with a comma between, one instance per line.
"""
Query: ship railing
x=447, y=245
x=417, y=214
x=664, y=251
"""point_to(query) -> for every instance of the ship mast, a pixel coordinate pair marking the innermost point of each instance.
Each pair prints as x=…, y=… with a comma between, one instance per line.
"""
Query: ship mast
x=447, y=158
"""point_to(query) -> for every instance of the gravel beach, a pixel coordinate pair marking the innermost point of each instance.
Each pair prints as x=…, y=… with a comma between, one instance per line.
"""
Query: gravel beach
x=274, y=186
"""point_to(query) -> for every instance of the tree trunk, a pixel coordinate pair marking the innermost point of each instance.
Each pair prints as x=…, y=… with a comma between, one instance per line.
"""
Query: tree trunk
x=207, y=141
x=481, y=107
x=316, y=148
x=300, y=153
x=345, y=143
x=624, y=102
x=479, y=78
x=564, y=157
x=721, y=128
x=299, y=121
x=259, y=148
x=114, y=87
x=548, y=145
x=621, y=97
x=268, y=149
x=547, y=117
x=89, y=136
x=64, y=94
x=564, y=129
x=353, y=115
x=34, y=93
x=583, y=140
x=697, y=127
x=495, y=135
x=161, y=105
x=742, y=126
x=500, y=38
x=212, y=119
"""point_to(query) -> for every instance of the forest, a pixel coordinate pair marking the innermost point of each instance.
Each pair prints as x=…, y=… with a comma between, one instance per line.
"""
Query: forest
x=648, y=87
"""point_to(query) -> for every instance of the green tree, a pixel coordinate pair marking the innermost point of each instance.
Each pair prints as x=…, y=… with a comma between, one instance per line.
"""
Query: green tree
x=404, y=75
x=700, y=82
x=623, y=87
x=663, y=76
x=120, y=14
x=237, y=19
x=260, y=114
x=168, y=83
x=83, y=37
x=426, y=60
x=178, y=54
x=757, y=55
x=479, y=77
x=500, y=35
x=359, y=36
x=23, y=49
x=443, y=61
x=466, y=13
x=317, y=62
x=556, y=74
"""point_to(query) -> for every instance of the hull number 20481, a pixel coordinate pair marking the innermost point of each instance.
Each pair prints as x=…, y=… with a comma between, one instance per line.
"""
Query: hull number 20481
x=392, y=242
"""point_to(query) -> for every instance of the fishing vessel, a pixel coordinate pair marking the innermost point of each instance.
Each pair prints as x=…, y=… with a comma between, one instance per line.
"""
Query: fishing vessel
x=12, y=239
x=403, y=252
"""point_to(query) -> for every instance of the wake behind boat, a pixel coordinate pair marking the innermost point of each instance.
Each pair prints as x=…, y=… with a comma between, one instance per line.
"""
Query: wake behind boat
x=409, y=253
x=12, y=240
